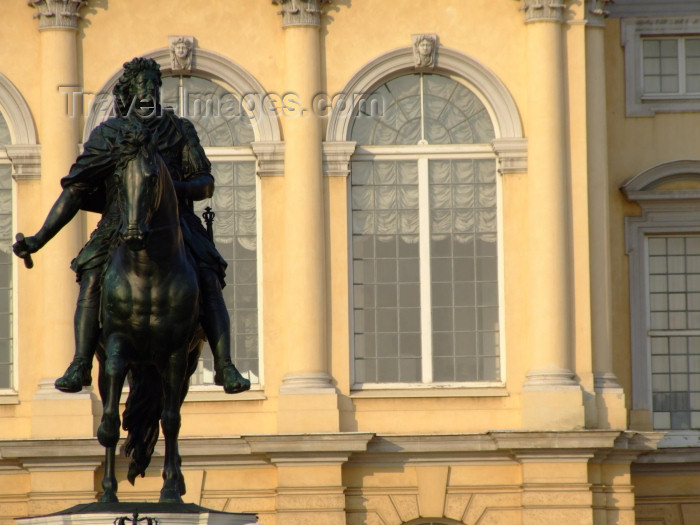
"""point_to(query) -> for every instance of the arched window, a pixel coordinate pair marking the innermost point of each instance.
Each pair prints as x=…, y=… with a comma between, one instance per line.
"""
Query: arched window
x=425, y=235
x=6, y=261
x=210, y=96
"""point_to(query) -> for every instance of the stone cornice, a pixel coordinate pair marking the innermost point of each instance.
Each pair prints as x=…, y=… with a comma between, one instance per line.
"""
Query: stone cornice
x=544, y=10
x=301, y=12
x=270, y=155
x=336, y=158
x=57, y=14
x=26, y=161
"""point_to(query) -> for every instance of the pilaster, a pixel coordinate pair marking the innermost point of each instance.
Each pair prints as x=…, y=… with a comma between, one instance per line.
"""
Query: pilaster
x=308, y=402
x=59, y=135
x=552, y=398
x=610, y=397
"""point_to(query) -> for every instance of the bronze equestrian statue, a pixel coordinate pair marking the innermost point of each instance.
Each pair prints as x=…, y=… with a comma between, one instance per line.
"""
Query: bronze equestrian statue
x=142, y=131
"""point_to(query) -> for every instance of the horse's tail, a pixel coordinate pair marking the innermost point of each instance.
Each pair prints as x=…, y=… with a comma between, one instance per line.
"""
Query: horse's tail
x=142, y=417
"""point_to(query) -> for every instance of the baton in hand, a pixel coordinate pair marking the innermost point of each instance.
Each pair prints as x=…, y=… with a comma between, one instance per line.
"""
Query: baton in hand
x=28, y=262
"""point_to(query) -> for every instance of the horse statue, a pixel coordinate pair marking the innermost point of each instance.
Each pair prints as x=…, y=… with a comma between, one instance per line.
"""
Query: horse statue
x=150, y=320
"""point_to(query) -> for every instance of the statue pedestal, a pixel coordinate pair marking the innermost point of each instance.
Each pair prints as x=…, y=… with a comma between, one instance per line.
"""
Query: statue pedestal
x=140, y=514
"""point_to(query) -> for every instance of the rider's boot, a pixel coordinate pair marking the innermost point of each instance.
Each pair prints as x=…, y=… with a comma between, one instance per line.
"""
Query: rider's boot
x=217, y=326
x=86, y=326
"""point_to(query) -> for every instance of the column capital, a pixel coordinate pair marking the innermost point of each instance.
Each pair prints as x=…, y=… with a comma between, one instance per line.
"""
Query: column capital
x=57, y=14
x=596, y=12
x=301, y=12
x=543, y=10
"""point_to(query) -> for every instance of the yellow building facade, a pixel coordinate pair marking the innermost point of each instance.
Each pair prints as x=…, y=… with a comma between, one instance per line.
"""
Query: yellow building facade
x=464, y=256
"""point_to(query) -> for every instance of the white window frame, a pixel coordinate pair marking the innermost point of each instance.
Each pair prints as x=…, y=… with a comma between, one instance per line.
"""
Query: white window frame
x=633, y=33
x=422, y=155
x=9, y=395
x=664, y=212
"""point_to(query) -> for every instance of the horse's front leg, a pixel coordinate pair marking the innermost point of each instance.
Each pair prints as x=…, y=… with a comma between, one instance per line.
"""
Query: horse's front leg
x=173, y=382
x=112, y=376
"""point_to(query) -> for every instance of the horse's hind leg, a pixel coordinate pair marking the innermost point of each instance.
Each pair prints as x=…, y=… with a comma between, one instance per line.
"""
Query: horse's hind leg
x=112, y=374
x=173, y=382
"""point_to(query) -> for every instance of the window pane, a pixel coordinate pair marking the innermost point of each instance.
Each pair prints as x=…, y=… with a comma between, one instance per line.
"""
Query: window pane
x=386, y=271
x=674, y=305
x=4, y=131
x=6, y=261
x=451, y=113
x=216, y=112
x=235, y=235
x=464, y=272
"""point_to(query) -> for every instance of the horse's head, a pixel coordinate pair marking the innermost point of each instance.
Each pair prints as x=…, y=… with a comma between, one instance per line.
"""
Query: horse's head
x=140, y=174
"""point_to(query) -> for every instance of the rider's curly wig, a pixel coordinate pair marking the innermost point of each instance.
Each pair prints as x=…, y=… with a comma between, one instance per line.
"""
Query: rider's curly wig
x=123, y=90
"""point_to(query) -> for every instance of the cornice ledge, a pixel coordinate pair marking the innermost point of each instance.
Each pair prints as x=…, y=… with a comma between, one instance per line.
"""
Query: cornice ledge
x=58, y=14
x=336, y=158
x=270, y=158
x=431, y=444
x=543, y=10
x=301, y=12
x=26, y=161
x=511, y=154
x=564, y=441
x=306, y=446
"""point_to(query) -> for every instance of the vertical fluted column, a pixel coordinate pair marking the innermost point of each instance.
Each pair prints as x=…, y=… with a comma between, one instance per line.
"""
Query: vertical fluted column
x=304, y=247
x=609, y=395
x=59, y=137
x=551, y=397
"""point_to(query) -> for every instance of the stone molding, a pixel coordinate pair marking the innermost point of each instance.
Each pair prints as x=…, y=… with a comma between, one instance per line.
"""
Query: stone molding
x=550, y=379
x=270, y=157
x=511, y=154
x=544, y=10
x=301, y=12
x=58, y=14
x=26, y=161
x=310, y=383
x=425, y=61
x=181, y=61
x=336, y=158
x=17, y=113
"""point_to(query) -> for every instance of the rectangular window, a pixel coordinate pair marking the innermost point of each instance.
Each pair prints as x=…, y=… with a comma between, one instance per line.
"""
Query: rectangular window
x=662, y=64
x=425, y=271
x=674, y=330
x=671, y=66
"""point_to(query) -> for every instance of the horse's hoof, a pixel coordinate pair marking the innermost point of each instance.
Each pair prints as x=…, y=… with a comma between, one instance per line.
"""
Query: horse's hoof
x=232, y=380
x=170, y=496
x=109, y=497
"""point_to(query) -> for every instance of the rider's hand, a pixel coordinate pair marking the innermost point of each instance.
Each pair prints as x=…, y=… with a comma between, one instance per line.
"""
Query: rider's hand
x=28, y=246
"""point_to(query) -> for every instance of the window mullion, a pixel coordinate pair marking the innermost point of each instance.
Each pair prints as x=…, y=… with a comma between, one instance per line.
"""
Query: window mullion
x=425, y=275
x=681, y=66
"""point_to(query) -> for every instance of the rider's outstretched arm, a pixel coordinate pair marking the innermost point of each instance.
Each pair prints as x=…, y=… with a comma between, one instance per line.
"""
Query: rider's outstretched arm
x=64, y=209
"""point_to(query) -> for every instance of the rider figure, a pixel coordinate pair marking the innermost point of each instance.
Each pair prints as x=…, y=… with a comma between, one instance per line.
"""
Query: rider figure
x=89, y=186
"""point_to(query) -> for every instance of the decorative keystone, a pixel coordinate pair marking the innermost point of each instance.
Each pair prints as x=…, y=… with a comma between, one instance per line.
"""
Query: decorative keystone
x=301, y=12
x=57, y=14
x=543, y=10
